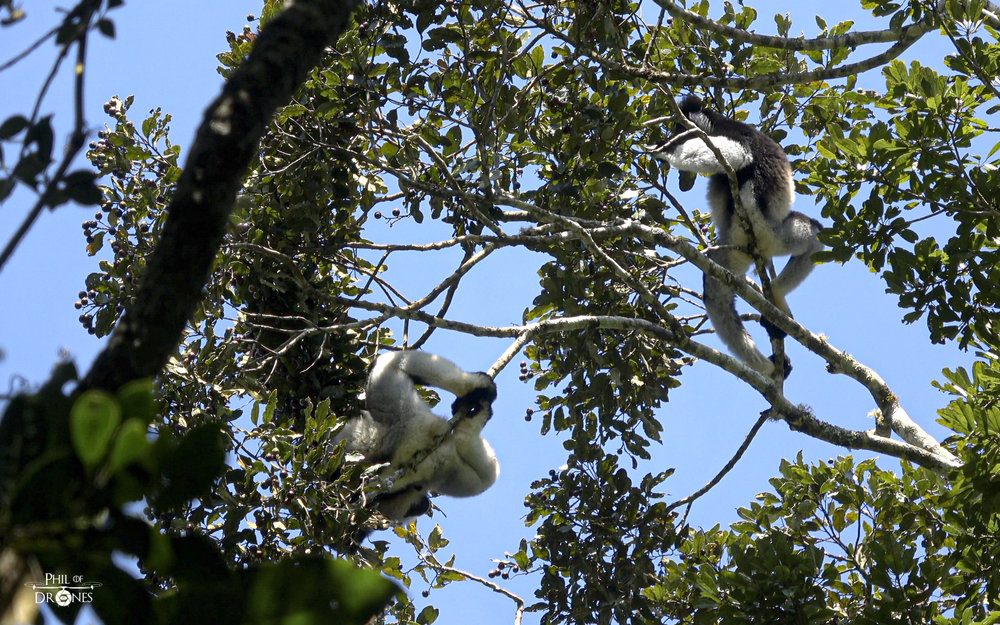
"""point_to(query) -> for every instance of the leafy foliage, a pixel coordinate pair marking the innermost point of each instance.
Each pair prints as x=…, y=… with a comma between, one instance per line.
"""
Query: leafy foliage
x=492, y=125
x=476, y=116
x=67, y=501
x=74, y=468
x=915, y=165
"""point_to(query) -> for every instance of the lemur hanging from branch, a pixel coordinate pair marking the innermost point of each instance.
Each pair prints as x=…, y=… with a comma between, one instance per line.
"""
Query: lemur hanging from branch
x=399, y=428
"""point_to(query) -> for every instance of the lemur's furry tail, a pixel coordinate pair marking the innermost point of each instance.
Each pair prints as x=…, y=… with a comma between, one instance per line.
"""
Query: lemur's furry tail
x=721, y=308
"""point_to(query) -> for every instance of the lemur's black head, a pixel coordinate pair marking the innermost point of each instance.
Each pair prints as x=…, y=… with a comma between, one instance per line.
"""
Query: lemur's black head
x=475, y=402
x=691, y=106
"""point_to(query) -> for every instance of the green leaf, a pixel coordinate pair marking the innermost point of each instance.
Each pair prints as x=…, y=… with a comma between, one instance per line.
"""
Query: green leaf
x=93, y=420
x=95, y=244
x=13, y=125
x=428, y=615
x=82, y=188
x=425, y=18
x=191, y=468
x=131, y=446
x=315, y=590
x=272, y=402
x=136, y=399
x=107, y=27
x=41, y=134
x=29, y=167
x=395, y=46
x=149, y=124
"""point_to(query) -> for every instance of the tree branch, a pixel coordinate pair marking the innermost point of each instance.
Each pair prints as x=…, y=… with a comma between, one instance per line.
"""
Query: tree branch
x=726, y=469
x=840, y=362
x=169, y=291
x=76, y=139
x=427, y=557
x=760, y=83
x=800, y=44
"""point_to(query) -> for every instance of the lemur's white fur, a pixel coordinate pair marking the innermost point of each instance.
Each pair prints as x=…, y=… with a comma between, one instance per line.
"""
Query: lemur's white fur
x=398, y=425
x=695, y=155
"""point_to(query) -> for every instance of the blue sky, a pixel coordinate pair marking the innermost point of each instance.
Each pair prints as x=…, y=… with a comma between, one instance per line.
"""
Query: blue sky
x=164, y=54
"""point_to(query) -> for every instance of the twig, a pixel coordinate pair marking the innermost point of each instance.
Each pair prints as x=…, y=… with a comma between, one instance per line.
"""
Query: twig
x=764, y=417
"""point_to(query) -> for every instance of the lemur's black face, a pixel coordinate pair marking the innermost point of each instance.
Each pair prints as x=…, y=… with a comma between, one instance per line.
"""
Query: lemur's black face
x=475, y=402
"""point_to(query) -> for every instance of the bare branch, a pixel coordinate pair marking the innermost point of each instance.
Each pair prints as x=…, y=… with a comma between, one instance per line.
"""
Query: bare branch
x=800, y=44
x=840, y=362
x=765, y=82
x=430, y=560
x=76, y=137
x=687, y=501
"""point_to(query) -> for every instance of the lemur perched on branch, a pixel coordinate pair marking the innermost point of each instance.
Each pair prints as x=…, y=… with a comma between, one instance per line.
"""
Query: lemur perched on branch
x=766, y=192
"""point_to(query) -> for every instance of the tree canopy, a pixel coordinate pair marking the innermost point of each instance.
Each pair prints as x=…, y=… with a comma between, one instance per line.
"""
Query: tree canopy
x=246, y=290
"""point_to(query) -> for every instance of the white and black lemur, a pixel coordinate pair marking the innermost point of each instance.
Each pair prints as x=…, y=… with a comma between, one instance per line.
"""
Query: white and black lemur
x=398, y=427
x=766, y=193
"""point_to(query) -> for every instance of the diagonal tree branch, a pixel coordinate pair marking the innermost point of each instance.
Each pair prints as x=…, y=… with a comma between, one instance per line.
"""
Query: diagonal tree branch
x=290, y=44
